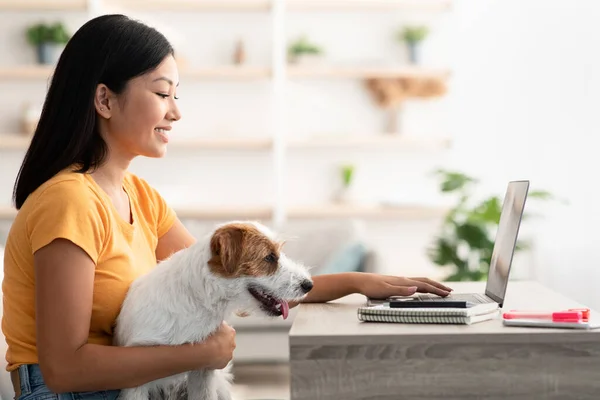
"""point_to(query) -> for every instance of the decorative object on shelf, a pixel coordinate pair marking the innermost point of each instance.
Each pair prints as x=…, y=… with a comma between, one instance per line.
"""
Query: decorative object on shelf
x=344, y=193
x=413, y=36
x=239, y=55
x=29, y=119
x=49, y=41
x=466, y=240
x=303, y=52
x=391, y=93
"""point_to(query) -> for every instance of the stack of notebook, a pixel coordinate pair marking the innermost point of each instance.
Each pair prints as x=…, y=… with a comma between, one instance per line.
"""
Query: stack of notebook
x=460, y=316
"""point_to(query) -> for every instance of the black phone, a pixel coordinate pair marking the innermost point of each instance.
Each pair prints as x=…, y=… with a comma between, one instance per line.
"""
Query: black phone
x=428, y=304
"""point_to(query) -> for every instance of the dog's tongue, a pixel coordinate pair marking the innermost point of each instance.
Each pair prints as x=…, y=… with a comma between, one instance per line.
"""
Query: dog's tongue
x=285, y=308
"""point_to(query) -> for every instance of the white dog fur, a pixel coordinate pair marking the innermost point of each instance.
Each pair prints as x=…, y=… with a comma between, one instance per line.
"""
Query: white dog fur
x=186, y=297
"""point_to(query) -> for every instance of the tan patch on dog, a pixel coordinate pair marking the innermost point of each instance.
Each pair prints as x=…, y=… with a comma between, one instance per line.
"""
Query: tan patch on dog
x=242, y=250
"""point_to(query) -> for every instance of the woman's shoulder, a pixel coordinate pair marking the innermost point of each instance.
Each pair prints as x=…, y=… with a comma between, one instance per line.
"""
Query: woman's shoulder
x=66, y=187
x=65, y=184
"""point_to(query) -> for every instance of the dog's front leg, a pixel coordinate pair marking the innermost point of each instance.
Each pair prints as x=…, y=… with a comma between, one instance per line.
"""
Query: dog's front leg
x=201, y=385
x=223, y=379
x=137, y=393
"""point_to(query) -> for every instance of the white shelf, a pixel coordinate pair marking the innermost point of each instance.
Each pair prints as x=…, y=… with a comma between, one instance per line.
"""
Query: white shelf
x=7, y=212
x=227, y=72
x=364, y=211
x=223, y=143
x=306, y=212
x=375, y=141
x=206, y=212
x=340, y=5
x=14, y=142
x=26, y=72
x=224, y=72
x=20, y=142
x=364, y=72
x=225, y=212
x=43, y=5
x=380, y=141
x=250, y=73
x=195, y=5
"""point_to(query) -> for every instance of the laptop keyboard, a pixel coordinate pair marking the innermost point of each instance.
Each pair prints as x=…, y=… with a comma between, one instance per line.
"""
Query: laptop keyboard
x=473, y=298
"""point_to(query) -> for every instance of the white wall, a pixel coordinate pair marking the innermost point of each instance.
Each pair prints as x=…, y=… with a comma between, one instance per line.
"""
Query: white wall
x=523, y=88
x=526, y=87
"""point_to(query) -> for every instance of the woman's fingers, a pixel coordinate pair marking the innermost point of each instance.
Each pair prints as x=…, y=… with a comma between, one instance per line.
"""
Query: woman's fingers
x=433, y=283
x=424, y=287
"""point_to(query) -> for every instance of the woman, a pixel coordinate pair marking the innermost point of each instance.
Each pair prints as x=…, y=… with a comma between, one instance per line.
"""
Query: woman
x=86, y=227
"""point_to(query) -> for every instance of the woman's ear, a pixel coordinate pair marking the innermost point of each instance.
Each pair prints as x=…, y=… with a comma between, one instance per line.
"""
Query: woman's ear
x=102, y=101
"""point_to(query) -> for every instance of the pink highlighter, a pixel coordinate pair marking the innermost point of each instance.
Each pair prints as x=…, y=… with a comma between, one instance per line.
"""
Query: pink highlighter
x=570, y=315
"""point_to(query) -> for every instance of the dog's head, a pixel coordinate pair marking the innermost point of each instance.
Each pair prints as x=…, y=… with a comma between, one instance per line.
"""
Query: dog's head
x=259, y=274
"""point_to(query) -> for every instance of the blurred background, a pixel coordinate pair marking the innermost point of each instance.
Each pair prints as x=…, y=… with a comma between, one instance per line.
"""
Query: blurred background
x=355, y=128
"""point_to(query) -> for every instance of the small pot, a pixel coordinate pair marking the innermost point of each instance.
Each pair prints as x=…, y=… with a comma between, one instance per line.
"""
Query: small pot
x=48, y=53
x=306, y=59
x=414, y=53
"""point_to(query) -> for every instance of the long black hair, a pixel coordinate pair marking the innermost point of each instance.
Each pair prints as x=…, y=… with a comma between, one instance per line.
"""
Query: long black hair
x=110, y=49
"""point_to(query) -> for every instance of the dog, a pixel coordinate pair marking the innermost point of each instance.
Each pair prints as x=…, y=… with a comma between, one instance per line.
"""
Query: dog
x=239, y=267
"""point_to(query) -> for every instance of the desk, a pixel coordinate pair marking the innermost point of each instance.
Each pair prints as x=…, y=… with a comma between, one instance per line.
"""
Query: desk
x=335, y=356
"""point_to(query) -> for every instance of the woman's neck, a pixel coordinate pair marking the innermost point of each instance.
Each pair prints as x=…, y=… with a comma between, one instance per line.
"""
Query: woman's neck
x=111, y=174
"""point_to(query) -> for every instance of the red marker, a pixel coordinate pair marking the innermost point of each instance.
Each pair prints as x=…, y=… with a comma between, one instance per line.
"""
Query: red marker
x=571, y=315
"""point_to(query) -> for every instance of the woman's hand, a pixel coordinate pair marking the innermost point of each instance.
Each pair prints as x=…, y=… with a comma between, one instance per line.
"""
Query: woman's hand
x=222, y=343
x=383, y=286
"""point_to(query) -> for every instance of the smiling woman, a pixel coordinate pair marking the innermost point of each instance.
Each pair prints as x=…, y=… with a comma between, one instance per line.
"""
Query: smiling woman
x=87, y=228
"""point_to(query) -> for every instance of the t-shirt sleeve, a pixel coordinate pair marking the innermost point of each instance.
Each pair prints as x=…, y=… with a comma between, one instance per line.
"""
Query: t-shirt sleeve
x=67, y=210
x=163, y=214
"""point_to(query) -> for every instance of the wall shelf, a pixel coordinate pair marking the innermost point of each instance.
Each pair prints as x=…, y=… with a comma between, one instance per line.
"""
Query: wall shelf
x=14, y=142
x=365, y=72
x=223, y=143
x=43, y=5
x=364, y=5
x=220, y=72
x=20, y=142
x=364, y=211
x=375, y=141
x=226, y=72
x=201, y=212
x=225, y=212
x=195, y=5
x=304, y=212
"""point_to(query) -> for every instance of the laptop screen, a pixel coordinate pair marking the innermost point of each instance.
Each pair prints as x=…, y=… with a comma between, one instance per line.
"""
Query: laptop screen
x=506, y=239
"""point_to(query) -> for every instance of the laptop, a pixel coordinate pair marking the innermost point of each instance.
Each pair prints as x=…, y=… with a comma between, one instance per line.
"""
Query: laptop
x=502, y=253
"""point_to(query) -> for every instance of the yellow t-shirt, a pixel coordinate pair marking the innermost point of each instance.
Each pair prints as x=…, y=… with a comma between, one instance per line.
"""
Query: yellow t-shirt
x=72, y=206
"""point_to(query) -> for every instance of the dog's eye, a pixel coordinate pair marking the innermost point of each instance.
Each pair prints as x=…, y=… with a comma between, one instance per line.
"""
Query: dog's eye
x=271, y=258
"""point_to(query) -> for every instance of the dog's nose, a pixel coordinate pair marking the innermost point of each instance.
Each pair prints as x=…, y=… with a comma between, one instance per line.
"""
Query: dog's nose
x=306, y=285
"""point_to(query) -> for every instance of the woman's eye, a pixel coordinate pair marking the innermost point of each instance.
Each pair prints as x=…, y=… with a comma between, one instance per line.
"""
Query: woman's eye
x=164, y=96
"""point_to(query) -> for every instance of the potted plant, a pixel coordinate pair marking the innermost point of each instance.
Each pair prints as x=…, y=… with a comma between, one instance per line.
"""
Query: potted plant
x=49, y=40
x=413, y=36
x=344, y=193
x=466, y=240
x=302, y=51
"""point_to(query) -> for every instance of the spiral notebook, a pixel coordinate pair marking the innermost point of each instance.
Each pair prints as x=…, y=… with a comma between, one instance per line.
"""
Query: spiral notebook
x=457, y=316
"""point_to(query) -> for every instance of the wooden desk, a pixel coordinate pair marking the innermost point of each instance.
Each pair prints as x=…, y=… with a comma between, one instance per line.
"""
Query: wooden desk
x=335, y=356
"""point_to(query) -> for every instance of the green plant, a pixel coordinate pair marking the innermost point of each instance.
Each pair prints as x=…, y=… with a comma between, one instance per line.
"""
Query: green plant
x=413, y=34
x=303, y=46
x=466, y=240
x=44, y=33
x=347, y=174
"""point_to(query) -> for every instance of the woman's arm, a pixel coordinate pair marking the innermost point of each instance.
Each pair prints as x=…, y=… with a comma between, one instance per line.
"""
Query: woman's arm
x=176, y=238
x=326, y=287
x=333, y=286
x=64, y=291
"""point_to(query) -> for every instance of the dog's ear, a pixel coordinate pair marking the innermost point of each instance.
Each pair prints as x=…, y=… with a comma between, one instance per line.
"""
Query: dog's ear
x=226, y=249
